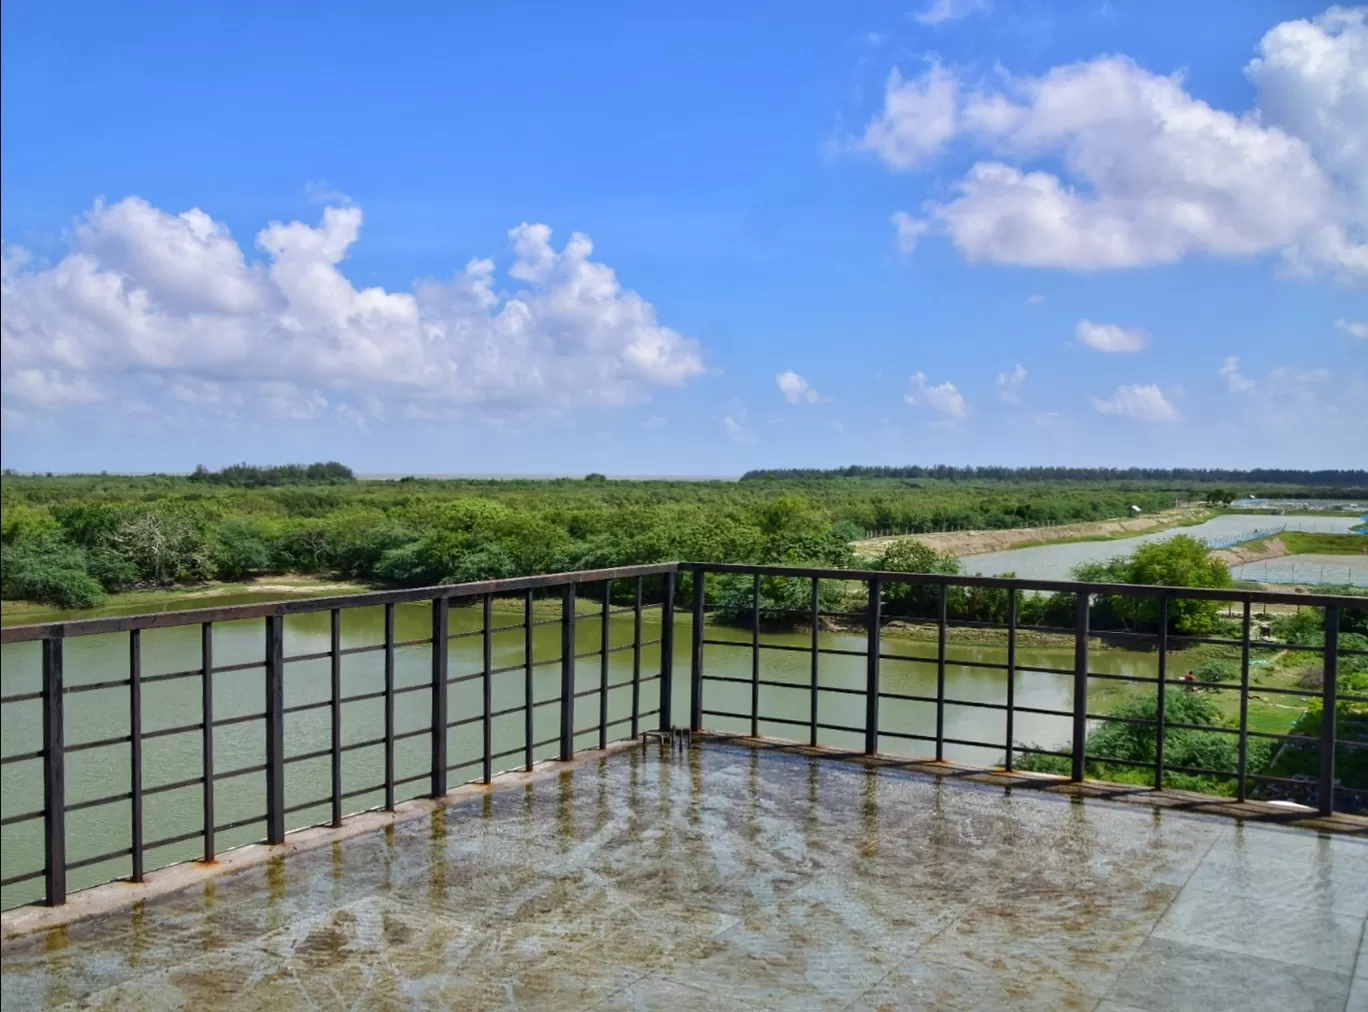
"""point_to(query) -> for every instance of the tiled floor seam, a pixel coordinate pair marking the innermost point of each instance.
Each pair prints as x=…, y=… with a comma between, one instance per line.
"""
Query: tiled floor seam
x=1158, y=920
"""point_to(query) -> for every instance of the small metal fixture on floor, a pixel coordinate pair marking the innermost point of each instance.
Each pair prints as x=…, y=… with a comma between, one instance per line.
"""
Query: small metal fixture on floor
x=678, y=738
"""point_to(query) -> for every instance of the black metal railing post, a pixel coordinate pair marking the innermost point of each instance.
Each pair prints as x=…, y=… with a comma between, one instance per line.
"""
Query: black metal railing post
x=1080, y=693
x=54, y=774
x=636, y=661
x=487, y=689
x=816, y=654
x=1329, y=694
x=755, y=658
x=943, y=622
x=440, y=654
x=696, y=667
x=335, y=713
x=605, y=649
x=275, y=729
x=1241, y=786
x=567, y=705
x=1011, y=674
x=388, y=706
x=207, y=740
x=871, y=745
x=135, y=753
x=529, y=689
x=1159, y=715
x=667, y=649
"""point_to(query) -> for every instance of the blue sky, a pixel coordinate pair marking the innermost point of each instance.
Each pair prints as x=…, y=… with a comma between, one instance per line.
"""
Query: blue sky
x=964, y=231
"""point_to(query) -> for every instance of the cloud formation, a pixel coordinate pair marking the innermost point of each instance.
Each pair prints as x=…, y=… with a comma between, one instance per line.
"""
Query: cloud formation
x=171, y=304
x=944, y=399
x=1151, y=174
x=737, y=424
x=1136, y=401
x=795, y=389
x=940, y=11
x=919, y=117
x=1109, y=337
x=1009, y=384
x=1235, y=382
x=1354, y=328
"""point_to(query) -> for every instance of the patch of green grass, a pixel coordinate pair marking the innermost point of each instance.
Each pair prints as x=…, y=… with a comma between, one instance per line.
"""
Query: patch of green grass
x=1301, y=543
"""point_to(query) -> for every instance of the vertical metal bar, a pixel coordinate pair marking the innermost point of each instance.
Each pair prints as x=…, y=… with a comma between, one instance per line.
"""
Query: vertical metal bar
x=1329, y=694
x=696, y=672
x=335, y=677
x=604, y=655
x=1241, y=782
x=1080, y=711
x=942, y=623
x=1011, y=673
x=54, y=774
x=636, y=661
x=487, y=682
x=275, y=729
x=207, y=707
x=755, y=657
x=567, y=702
x=389, y=707
x=667, y=652
x=816, y=646
x=528, y=688
x=872, y=667
x=135, y=756
x=1159, y=716
x=440, y=645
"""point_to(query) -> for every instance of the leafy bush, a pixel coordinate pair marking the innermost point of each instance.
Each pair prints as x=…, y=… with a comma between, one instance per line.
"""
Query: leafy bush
x=50, y=569
x=1180, y=561
x=1214, y=750
x=241, y=549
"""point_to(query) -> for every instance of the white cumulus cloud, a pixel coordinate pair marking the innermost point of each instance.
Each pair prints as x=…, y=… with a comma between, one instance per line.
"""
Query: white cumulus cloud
x=1235, y=382
x=1354, y=328
x=1104, y=164
x=944, y=398
x=1009, y=384
x=795, y=389
x=1136, y=401
x=173, y=302
x=1110, y=337
x=920, y=115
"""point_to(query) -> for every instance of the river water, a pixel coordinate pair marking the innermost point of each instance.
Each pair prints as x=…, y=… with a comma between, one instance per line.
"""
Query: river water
x=103, y=713
x=1055, y=562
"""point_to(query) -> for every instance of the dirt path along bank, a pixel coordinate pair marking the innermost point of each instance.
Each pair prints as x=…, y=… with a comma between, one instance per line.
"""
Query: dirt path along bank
x=961, y=543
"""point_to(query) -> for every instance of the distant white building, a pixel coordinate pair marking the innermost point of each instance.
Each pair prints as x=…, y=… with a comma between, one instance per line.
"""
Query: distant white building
x=1135, y=510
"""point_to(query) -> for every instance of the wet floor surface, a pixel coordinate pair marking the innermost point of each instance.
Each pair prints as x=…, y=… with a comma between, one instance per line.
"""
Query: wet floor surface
x=736, y=879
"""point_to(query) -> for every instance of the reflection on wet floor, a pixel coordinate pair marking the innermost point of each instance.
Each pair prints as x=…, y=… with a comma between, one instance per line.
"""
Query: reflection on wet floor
x=734, y=879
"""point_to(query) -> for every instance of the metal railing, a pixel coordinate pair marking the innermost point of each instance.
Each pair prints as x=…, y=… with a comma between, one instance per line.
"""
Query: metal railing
x=673, y=583
x=281, y=813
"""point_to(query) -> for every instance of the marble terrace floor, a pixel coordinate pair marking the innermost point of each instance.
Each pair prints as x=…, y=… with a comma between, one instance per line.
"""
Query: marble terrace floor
x=731, y=878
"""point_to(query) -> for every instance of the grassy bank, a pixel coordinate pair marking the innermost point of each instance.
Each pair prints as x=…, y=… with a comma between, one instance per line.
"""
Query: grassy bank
x=206, y=595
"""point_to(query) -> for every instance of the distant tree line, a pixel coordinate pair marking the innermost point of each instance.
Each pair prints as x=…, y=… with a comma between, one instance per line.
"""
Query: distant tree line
x=250, y=476
x=1346, y=479
x=71, y=539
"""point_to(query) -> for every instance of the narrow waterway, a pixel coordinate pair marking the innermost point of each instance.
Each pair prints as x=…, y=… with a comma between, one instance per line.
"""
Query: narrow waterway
x=103, y=713
x=1055, y=562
